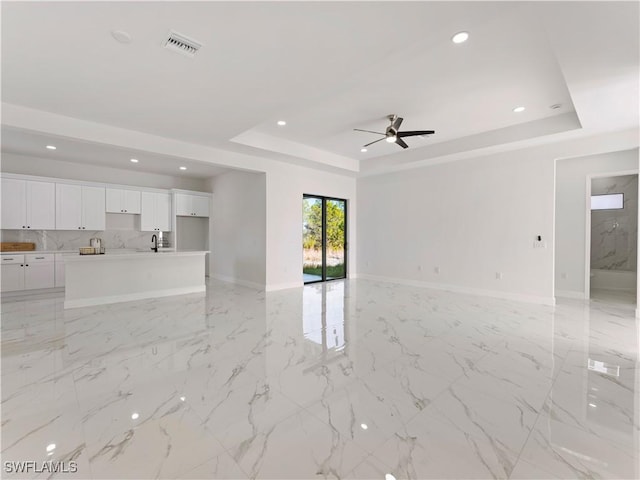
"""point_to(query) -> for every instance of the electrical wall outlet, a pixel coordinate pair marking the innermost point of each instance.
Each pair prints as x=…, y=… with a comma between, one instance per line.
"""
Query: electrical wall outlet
x=498, y=275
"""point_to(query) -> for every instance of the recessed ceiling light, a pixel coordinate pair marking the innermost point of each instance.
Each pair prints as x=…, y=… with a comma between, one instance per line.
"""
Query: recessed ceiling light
x=134, y=160
x=519, y=109
x=391, y=139
x=555, y=106
x=364, y=426
x=134, y=416
x=282, y=123
x=183, y=168
x=460, y=37
x=121, y=36
x=363, y=149
x=388, y=476
x=51, y=447
x=51, y=147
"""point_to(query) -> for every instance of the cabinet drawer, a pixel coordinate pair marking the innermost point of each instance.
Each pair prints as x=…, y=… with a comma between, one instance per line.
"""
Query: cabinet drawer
x=12, y=259
x=42, y=257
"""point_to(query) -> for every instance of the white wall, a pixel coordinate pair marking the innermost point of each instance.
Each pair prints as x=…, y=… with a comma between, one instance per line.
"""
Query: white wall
x=286, y=185
x=472, y=219
x=571, y=211
x=45, y=167
x=238, y=228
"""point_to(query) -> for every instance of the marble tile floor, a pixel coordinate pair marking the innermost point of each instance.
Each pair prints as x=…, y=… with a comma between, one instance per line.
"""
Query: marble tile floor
x=349, y=379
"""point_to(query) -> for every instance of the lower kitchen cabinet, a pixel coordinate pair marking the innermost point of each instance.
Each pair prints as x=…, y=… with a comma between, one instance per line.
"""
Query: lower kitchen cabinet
x=27, y=272
x=12, y=277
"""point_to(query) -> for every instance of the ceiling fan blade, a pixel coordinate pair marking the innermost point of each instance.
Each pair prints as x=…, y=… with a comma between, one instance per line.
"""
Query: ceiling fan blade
x=368, y=131
x=396, y=123
x=413, y=133
x=375, y=141
x=401, y=142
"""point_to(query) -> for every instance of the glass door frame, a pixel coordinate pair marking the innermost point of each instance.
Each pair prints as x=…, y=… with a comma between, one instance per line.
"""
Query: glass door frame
x=324, y=200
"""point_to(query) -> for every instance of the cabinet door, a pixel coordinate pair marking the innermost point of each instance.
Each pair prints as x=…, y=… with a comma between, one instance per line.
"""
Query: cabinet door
x=68, y=207
x=12, y=277
x=200, y=206
x=148, y=212
x=14, y=205
x=114, y=199
x=93, y=208
x=184, y=205
x=131, y=201
x=41, y=205
x=38, y=275
x=163, y=212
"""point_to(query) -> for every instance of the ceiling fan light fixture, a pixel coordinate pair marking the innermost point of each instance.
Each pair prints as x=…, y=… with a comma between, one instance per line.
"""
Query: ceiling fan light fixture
x=460, y=37
x=363, y=150
x=519, y=109
x=393, y=134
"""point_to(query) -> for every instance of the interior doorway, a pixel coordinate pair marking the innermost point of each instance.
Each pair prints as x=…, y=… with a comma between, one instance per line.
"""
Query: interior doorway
x=324, y=238
x=612, y=233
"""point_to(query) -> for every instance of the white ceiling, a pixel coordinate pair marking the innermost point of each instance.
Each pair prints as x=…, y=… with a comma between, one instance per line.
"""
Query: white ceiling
x=326, y=68
x=34, y=144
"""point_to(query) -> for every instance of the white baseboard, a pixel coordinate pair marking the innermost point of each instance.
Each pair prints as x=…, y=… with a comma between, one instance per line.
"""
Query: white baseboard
x=39, y=291
x=90, y=302
x=283, y=286
x=238, y=281
x=571, y=294
x=466, y=290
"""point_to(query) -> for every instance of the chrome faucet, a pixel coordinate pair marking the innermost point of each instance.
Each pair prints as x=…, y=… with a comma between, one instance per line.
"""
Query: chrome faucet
x=154, y=240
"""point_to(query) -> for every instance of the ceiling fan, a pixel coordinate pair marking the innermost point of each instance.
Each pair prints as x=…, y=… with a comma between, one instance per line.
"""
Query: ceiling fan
x=392, y=135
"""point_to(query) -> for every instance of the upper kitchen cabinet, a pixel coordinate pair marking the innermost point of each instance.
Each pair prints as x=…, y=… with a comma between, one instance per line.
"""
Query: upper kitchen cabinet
x=80, y=207
x=123, y=201
x=155, y=215
x=192, y=205
x=28, y=205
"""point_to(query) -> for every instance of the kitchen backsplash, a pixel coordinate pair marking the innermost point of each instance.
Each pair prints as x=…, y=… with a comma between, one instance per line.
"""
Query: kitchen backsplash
x=71, y=240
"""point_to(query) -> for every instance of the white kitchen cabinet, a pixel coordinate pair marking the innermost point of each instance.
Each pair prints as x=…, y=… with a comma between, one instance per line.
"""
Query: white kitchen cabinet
x=155, y=213
x=93, y=209
x=192, y=205
x=28, y=205
x=80, y=207
x=122, y=201
x=39, y=271
x=12, y=273
x=27, y=272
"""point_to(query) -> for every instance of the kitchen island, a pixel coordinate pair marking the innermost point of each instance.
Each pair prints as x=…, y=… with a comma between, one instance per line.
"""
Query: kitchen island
x=122, y=277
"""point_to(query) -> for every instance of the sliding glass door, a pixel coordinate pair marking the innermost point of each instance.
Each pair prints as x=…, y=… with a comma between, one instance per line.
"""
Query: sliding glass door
x=324, y=238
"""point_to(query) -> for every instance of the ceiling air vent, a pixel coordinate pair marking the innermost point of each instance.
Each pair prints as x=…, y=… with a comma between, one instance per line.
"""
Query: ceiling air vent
x=181, y=44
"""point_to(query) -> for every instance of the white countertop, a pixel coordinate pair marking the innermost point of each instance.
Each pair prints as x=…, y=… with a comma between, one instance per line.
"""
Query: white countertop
x=38, y=252
x=123, y=253
x=77, y=251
